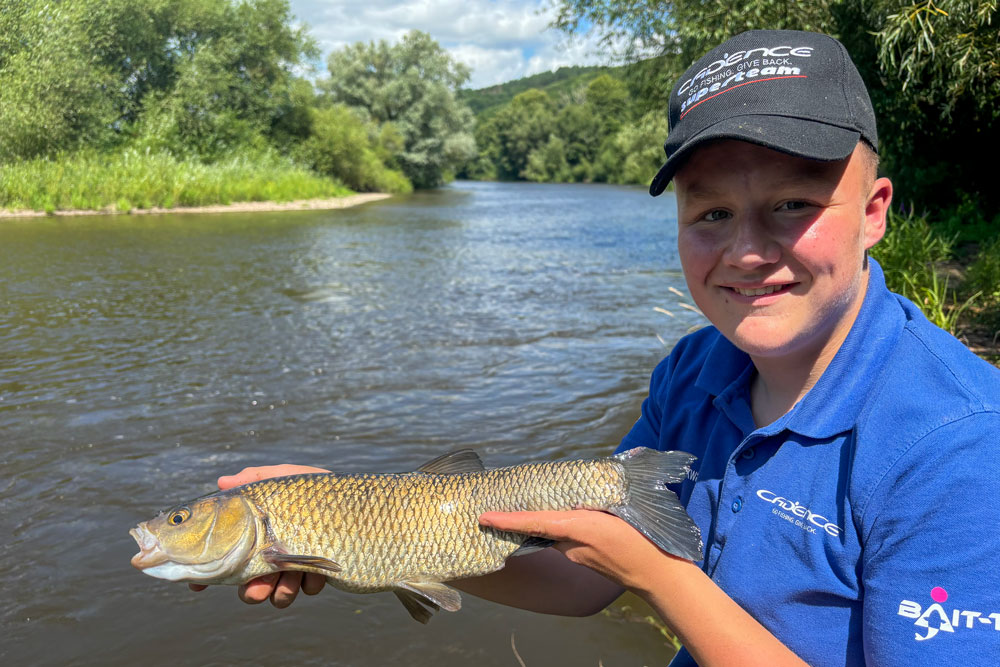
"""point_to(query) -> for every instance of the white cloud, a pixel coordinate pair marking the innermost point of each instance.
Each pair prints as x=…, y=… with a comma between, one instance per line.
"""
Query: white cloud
x=499, y=39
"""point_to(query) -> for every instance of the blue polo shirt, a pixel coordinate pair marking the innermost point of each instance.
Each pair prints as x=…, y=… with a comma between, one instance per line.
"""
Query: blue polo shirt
x=862, y=527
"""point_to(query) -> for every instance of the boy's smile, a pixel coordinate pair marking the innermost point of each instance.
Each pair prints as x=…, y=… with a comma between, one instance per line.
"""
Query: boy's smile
x=773, y=246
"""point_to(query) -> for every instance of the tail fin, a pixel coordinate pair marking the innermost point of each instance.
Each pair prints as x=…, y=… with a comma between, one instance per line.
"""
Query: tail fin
x=654, y=510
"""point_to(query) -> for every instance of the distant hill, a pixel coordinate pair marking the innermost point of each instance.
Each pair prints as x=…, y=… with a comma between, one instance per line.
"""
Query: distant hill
x=485, y=101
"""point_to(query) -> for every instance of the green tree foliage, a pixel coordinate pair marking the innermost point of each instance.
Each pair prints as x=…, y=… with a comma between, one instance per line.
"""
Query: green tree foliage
x=229, y=79
x=52, y=94
x=635, y=152
x=411, y=84
x=518, y=129
x=484, y=101
x=340, y=145
x=594, y=133
x=548, y=162
x=607, y=98
x=932, y=67
x=196, y=77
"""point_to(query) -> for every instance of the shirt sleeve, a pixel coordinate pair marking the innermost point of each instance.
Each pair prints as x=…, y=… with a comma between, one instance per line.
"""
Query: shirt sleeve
x=931, y=535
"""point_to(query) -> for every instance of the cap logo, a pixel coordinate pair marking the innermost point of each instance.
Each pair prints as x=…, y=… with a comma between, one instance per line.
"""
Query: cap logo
x=815, y=105
x=771, y=63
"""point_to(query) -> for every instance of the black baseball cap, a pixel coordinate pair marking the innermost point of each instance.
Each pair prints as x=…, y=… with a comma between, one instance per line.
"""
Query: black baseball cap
x=792, y=91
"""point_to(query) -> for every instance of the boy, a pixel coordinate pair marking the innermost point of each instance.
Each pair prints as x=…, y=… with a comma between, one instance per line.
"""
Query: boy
x=847, y=449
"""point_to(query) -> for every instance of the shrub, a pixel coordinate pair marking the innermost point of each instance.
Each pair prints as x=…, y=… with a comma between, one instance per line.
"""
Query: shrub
x=340, y=146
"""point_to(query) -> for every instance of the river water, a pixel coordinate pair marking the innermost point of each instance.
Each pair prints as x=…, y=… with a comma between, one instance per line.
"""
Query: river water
x=142, y=357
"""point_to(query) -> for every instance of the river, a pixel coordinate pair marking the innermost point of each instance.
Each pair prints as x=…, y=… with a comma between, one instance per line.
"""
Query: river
x=142, y=357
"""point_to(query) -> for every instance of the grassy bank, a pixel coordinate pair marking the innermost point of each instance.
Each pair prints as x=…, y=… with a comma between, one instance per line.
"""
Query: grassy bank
x=132, y=179
x=955, y=281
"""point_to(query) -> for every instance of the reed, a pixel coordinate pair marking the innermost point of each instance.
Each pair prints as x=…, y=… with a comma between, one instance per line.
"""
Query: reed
x=912, y=254
x=132, y=179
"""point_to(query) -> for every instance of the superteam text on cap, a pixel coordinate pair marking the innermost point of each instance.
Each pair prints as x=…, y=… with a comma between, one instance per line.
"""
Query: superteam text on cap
x=792, y=91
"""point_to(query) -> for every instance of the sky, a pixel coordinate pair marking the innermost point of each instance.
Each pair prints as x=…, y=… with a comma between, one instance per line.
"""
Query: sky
x=499, y=40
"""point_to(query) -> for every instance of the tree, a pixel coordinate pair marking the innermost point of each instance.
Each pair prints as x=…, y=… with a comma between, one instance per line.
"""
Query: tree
x=520, y=128
x=52, y=95
x=608, y=100
x=548, y=162
x=582, y=130
x=634, y=153
x=226, y=79
x=412, y=85
x=193, y=76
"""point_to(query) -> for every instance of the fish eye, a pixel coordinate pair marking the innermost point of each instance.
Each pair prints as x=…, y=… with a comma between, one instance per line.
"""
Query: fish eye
x=178, y=516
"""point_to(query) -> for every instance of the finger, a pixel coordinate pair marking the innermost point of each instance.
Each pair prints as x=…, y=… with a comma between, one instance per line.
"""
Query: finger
x=197, y=587
x=551, y=525
x=313, y=583
x=257, y=590
x=257, y=473
x=287, y=589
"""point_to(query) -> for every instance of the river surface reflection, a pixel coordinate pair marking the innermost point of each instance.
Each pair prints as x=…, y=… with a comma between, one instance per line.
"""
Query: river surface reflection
x=142, y=357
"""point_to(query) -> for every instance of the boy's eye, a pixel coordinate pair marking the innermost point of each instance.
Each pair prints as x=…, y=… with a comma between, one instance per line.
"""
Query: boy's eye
x=716, y=215
x=792, y=205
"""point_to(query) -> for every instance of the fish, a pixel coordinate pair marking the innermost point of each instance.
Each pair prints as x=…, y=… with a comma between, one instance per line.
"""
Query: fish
x=409, y=533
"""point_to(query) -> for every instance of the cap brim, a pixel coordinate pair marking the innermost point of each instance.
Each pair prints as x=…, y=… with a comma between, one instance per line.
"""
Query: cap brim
x=796, y=136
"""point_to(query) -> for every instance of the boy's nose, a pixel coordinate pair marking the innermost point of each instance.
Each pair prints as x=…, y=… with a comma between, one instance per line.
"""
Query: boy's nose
x=750, y=246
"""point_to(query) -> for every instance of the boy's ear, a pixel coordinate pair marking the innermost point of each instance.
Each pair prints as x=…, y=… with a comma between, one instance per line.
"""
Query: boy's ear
x=876, y=210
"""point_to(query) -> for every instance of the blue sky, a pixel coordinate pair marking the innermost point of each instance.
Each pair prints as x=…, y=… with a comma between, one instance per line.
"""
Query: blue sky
x=499, y=39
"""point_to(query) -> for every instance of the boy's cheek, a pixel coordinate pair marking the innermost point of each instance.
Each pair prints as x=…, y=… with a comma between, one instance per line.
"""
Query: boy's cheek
x=696, y=249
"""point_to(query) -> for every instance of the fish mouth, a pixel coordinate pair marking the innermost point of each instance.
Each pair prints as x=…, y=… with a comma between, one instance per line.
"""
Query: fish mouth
x=150, y=554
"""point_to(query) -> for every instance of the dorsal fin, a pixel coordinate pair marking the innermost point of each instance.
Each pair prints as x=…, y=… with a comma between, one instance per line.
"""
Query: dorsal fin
x=464, y=460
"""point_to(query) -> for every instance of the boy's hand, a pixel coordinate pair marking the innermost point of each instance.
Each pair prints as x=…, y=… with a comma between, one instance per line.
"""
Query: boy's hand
x=280, y=587
x=598, y=540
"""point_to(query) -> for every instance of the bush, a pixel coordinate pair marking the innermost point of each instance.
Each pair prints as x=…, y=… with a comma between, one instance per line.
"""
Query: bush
x=340, y=146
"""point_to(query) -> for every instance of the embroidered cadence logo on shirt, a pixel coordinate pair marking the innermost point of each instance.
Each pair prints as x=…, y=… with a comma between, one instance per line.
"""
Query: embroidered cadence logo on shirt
x=937, y=619
x=798, y=514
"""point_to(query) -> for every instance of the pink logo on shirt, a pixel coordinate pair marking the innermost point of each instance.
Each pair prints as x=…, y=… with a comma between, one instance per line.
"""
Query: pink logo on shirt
x=935, y=618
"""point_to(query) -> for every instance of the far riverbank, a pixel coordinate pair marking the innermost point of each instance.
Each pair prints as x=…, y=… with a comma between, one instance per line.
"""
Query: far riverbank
x=326, y=203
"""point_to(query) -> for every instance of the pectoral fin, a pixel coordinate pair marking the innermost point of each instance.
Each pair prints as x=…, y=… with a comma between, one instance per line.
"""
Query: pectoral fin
x=300, y=561
x=422, y=599
x=531, y=545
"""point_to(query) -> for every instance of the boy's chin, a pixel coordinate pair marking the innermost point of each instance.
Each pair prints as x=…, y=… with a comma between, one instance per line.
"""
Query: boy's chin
x=767, y=342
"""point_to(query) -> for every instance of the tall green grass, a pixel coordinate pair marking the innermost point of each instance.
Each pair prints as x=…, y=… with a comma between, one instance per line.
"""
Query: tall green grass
x=911, y=254
x=984, y=276
x=984, y=272
x=141, y=179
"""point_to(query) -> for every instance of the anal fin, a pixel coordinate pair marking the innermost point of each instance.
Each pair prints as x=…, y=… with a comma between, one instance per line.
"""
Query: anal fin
x=422, y=599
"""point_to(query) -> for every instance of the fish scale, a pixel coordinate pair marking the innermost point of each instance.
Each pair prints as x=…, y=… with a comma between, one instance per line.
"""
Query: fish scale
x=407, y=532
x=381, y=528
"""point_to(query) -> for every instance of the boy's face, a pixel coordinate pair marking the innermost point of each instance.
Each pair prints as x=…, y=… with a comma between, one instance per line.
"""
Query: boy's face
x=773, y=246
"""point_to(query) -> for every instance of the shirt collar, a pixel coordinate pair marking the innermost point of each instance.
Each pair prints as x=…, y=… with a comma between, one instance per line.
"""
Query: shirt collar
x=724, y=366
x=834, y=402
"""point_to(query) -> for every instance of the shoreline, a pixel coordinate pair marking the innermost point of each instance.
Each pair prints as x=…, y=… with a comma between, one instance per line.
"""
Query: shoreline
x=324, y=204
